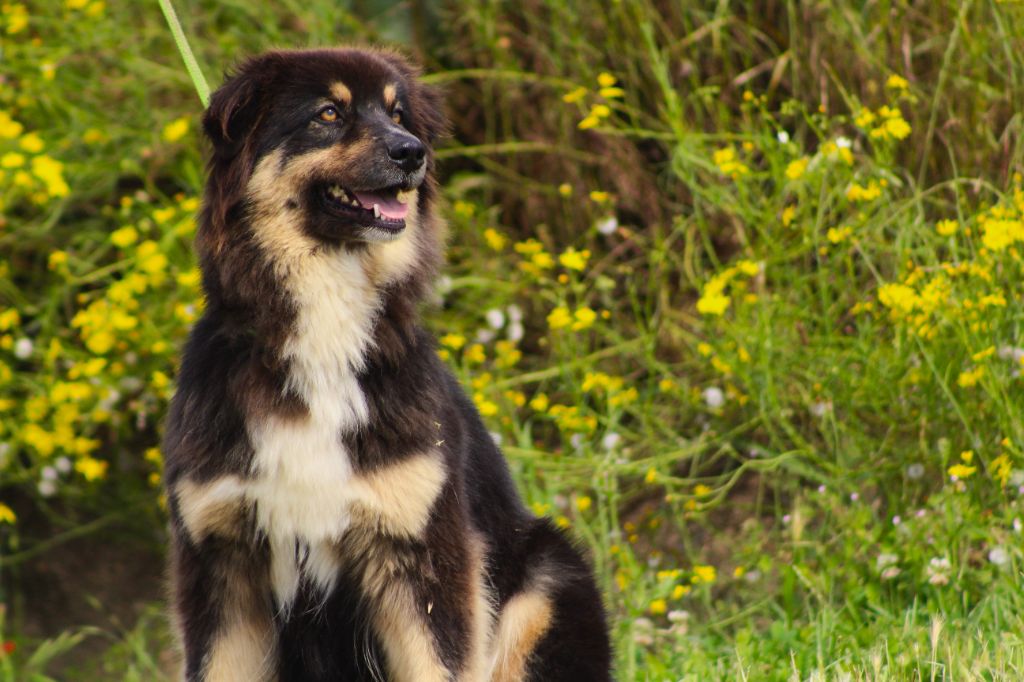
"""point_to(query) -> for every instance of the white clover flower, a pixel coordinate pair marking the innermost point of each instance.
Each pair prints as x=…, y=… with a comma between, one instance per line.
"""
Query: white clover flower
x=515, y=313
x=782, y=136
x=495, y=318
x=713, y=397
x=678, y=616
x=1011, y=353
x=484, y=335
x=890, y=573
x=515, y=331
x=937, y=571
x=999, y=556
x=854, y=497
x=63, y=464
x=844, y=142
x=897, y=520
x=496, y=437
x=821, y=408
x=607, y=226
x=576, y=441
x=752, y=576
x=915, y=471
x=1017, y=525
x=610, y=440
x=48, y=473
x=23, y=348
x=885, y=559
x=47, y=488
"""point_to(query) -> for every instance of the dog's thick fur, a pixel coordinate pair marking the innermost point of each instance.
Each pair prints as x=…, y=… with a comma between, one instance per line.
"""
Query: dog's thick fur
x=338, y=510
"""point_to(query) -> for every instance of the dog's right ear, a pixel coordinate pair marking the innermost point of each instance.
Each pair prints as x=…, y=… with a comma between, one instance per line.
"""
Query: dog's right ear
x=233, y=110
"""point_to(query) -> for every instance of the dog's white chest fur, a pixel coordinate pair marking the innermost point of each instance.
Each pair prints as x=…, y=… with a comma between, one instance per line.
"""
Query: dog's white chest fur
x=303, y=473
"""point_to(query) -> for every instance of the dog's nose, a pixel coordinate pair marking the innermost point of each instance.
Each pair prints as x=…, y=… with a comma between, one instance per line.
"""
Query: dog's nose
x=407, y=152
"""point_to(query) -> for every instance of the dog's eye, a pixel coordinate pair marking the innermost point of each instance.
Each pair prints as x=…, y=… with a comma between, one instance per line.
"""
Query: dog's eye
x=328, y=115
x=396, y=116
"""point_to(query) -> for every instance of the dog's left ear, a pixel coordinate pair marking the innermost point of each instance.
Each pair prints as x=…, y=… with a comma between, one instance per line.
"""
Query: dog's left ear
x=233, y=110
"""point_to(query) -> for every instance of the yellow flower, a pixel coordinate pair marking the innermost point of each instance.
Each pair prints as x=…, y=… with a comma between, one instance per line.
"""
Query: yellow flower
x=680, y=591
x=961, y=471
x=658, y=607
x=16, y=18
x=703, y=574
x=999, y=234
x=584, y=319
x=857, y=192
x=32, y=143
x=946, y=227
x=796, y=169
x=453, y=341
x=486, y=407
x=575, y=95
x=897, y=82
x=651, y=476
x=50, y=171
x=838, y=235
x=583, y=503
x=12, y=160
x=982, y=354
x=728, y=163
x=600, y=197
x=124, y=236
x=495, y=240
x=7, y=514
x=712, y=303
x=600, y=111
x=589, y=122
x=605, y=79
x=967, y=456
x=565, y=189
x=898, y=297
x=611, y=93
x=76, y=4
x=507, y=355
x=700, y=490
x=92, y=469
x=57, y=260
x=559, y=317
x=1001, y=468
x=971, y=377
x=573, y=259
x=175, y=130
x=475, y=354
x=539, y=403
x=666, y=385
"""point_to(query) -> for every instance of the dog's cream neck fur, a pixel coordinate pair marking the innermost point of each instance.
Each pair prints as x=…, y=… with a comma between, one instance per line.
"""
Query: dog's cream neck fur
x=302, y=474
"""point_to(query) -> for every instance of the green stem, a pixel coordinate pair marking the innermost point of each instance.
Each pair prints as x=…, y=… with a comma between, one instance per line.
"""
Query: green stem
x=191, y=65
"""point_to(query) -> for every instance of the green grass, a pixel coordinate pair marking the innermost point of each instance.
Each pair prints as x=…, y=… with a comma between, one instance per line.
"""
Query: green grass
x=739, y=383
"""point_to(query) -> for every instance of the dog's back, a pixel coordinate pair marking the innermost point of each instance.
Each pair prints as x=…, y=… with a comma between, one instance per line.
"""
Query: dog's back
x=339, y=512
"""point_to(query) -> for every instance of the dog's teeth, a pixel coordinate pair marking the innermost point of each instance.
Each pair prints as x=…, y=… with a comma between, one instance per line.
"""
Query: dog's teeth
x=376, y=210
x=402, y=197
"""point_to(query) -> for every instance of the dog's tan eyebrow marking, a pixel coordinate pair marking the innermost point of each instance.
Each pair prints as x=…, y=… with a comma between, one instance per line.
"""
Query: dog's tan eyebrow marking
x=390, y=92
x=341, y=93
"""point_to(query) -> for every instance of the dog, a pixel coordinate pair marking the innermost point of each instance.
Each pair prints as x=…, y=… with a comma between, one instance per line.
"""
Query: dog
x=338, y=511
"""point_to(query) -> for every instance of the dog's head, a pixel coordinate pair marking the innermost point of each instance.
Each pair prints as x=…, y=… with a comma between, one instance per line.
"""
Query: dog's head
x=340, y=139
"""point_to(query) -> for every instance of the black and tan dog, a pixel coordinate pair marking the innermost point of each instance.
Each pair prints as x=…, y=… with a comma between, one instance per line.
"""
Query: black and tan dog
x=339, y=511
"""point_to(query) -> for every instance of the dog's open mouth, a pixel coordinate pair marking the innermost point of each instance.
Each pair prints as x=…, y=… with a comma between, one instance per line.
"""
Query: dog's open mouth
x=385, y=208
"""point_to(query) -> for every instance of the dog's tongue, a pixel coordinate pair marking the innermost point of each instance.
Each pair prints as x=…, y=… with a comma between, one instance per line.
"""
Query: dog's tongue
x=389, y=206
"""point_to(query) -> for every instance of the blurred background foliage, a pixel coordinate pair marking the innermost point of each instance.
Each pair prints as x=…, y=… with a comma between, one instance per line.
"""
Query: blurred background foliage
x=737, y=285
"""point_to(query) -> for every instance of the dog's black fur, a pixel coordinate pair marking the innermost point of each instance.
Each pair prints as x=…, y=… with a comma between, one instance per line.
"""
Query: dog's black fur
x=338, y=510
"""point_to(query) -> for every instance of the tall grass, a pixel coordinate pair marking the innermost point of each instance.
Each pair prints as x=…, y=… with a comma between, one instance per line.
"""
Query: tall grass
x=736, y=285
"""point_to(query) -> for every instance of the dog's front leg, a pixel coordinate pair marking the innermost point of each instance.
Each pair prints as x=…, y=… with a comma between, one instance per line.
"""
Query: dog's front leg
x=221, y=589
x=420, y=569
